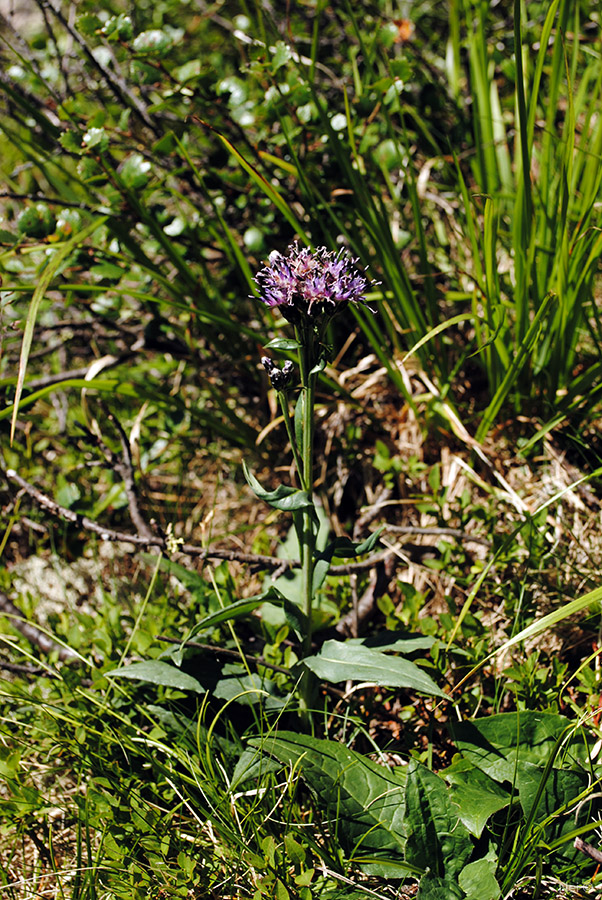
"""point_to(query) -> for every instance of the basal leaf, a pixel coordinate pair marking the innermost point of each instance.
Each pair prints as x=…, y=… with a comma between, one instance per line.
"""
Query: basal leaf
x=436, y=887
x=477, y=795
x=364, y=800
x=155, y=672
x=234, y=611
x=477, y=879
x=389, y=641
x=436, y=837
x=494, y=744
x=340, y=661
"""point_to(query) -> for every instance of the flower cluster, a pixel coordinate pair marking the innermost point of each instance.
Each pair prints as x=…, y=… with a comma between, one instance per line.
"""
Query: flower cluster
x=311, y=285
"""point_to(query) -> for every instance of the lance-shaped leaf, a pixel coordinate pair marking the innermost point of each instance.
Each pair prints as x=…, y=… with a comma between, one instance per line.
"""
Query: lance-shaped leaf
x=364, y=800
x=282, y=344
x=156, y=672
x=284, y=498
x=344, y=548
x=436, y=836
x=337, y=661
x=246, y=606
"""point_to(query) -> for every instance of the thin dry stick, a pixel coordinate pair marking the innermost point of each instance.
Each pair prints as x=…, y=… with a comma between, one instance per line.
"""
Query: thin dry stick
x=277, y=565
x=590, y=851
x=110, y=534
x=125, y=470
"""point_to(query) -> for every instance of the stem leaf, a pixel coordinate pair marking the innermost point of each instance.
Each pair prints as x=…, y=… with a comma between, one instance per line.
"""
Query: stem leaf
x=284, y=498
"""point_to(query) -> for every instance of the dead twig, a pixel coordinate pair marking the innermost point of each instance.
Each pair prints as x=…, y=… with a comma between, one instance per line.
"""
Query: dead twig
x=159, y=541
x=273, y=563
x=590, y=851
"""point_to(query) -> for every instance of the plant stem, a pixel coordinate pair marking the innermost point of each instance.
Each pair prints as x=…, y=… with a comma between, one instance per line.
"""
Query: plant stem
x=282, y=399
x=308, y=382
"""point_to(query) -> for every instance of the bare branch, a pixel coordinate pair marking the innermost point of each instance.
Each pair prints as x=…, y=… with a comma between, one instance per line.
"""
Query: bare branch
x=160, y=542
x=590, y=851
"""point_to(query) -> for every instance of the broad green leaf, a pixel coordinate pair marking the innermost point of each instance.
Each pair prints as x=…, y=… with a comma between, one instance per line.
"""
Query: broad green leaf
x=477, y=879
x=339, y=661
x=251, y=766
x=477, y=795
x=135, y=171
x=281, y=55
x=155, y=672
x=284, y=498
x=247, y=690
x=436, y=837
x=364, y=800
x=496, y=743
x=233, y=611
x=560, y=789
x=436, y=887
x=389, y=641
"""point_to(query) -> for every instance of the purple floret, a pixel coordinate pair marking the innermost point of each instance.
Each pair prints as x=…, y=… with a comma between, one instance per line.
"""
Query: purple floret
x=308, y=284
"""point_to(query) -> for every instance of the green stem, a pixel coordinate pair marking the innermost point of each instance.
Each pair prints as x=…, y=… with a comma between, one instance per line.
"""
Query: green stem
x=282, y=399
x=308, y=382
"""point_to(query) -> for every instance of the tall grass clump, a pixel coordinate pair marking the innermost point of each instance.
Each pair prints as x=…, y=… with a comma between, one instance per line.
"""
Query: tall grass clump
x=532, y=203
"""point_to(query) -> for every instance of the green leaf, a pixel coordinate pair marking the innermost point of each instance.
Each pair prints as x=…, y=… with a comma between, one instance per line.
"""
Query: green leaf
x=248, y=690
x=299, y=406
x=72, y=142
x=282, y=54
x=477, y=879
x=388, y=641
x=88, y=24
x=135, y=171
x=290, y=583
x=560, y=788
x=232, y=611
x=319, y=366
x=338, y=661
x=365, y=800
x=282, y=344
x=345, y=548
x=495, y=744
x=96, y=139
x=284, y=498
x=154, y=43
x=107, y=270
x=477, y=795
x=155, y=672
x=436, y=887
x=436, y=837
x=189, y=578
x=58, y=258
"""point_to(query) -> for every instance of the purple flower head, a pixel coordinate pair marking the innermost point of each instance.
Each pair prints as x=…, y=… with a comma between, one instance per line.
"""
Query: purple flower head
x=311, y=284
